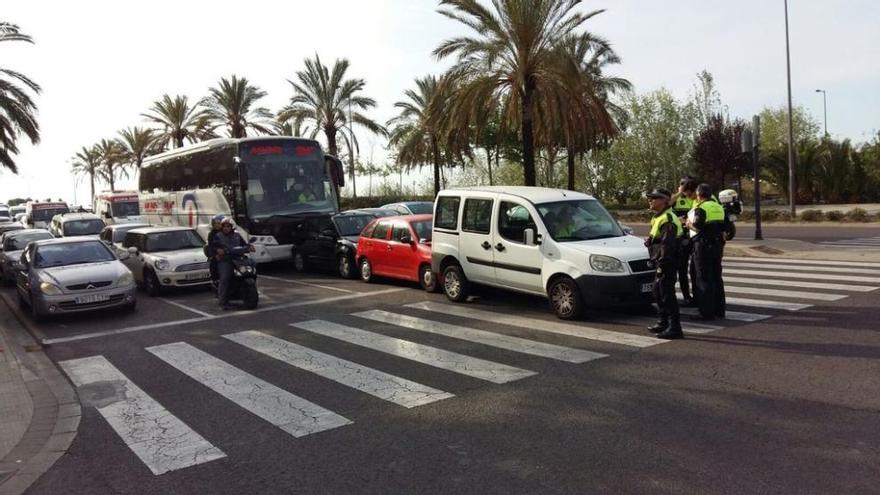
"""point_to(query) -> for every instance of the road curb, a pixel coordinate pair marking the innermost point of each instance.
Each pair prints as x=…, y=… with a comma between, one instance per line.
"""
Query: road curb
x=56, y=415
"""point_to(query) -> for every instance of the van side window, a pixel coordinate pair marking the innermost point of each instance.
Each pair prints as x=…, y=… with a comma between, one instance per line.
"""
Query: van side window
x=513, y=220
x=446, y=216
x=381, y=230
x=477, y=216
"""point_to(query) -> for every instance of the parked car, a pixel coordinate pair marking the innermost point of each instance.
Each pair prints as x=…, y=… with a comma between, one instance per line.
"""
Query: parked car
x=113, y=235
x=12, y=244
x=397, y=247
x=75, y=225
x=162, y=257
x=20, y=218
x=70, y=275
x=10, y=227
x=5, y=214
x=561, y=245
x=332, y=244
x=411, y=207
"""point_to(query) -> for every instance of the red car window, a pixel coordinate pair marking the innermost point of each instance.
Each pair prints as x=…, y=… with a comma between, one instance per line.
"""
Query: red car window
x=381, y=230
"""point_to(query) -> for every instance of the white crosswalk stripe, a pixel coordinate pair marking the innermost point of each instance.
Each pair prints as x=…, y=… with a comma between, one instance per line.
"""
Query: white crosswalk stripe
x=158, y=438
x=811, y=269
x=863, y=242
x=791, y=294
x=799, y=284
x=731, y=315
x=558, y=327
x=501, y=341
x=647, y=321
x=432, y=356
x=809, y=276
x=400, y=391
x=292, y=414
x=787, y=261
x=762, y=303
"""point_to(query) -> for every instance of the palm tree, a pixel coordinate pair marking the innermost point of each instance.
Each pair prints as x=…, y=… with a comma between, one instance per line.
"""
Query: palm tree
x=112, y=164
x=513, y=58
x=331, y=103
x=87, y=161
x=232, y=103
x=136, y=144
x=179, y=121
x=17, y=109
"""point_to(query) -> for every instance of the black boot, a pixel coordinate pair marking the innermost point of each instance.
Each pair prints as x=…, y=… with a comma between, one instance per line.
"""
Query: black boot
x=671, y=333
x=658, y=327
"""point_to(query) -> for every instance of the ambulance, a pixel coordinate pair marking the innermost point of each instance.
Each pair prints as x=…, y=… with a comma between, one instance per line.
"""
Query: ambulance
x=118, y=207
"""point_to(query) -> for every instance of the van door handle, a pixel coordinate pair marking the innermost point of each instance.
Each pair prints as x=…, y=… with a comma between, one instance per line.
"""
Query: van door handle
x=499, y=246
x=485, y=245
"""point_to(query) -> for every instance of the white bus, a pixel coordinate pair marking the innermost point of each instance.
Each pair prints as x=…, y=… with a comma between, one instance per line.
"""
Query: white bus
x=271, y=186
x=118, y=207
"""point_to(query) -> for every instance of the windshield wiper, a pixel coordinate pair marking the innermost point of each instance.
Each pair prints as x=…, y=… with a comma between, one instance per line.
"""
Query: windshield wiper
x=601, y=236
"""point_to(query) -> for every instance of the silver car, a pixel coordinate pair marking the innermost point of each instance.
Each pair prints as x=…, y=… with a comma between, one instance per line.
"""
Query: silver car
x=12, y=244
x=71, y=275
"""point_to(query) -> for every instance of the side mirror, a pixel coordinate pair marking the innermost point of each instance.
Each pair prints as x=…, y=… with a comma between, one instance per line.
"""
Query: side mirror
x=406, y=239
x=626, y=229
x=107, y=214
x=133, y=251
x=529, y=237
x=18, y=265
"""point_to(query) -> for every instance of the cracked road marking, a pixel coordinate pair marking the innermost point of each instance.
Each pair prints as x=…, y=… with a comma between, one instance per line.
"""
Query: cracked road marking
x=570, y=329
x=459, y=363
x=400, y=391
x=160, y=440
x=501, y=341
x=292, y=414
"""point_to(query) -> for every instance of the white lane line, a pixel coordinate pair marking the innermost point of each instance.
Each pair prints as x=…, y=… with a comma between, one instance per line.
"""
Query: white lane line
x=394, y=389
x=308, y=284
x=810, y=276
x=788, y=261
x=646, y=321
x=557, y=327
x=452, y=361
x=292, y=414
x=184, y=306
x=762, y=303
x=140, y=328
x=501, y=341
x=816, y=296
x=731, y=315
x=158, y=438
x=799, y=284
x=811, y=269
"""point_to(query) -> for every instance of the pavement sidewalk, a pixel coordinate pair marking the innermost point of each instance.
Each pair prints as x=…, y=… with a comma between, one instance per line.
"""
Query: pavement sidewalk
x=39, y=411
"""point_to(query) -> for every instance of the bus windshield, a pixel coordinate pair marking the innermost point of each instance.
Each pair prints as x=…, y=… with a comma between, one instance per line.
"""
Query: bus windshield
x=121, y=209
x=286, y=180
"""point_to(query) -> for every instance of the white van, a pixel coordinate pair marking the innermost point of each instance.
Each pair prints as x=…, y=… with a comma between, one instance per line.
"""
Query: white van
x=39, y=214
x=562, y=245
x=118, y=207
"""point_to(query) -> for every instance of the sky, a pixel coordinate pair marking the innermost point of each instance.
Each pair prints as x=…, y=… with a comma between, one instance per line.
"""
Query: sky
x=102, y=63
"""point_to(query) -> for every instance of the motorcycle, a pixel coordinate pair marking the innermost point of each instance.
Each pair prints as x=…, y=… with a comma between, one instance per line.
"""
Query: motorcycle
x=732, y=208
x=243, y=286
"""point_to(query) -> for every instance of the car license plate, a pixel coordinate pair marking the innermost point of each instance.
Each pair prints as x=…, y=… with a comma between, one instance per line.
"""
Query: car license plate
x=648, y=287
x=93, y=298
x=197, y=276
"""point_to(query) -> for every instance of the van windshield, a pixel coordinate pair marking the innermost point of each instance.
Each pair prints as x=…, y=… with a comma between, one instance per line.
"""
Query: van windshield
x=578, y=220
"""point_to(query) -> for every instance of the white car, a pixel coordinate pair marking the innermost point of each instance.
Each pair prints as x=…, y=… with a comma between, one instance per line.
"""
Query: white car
x=562, y=245
x=76, y=225
x=113, y=235
x=163, y=257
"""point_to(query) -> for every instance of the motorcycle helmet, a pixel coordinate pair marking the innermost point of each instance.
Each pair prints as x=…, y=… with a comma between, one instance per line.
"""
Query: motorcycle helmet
x=227, y=221
x=216, y=220
x=730, y=201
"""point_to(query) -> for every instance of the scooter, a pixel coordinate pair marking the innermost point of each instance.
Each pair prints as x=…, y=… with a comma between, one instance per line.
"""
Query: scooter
x=243, y=286
x=732, y=208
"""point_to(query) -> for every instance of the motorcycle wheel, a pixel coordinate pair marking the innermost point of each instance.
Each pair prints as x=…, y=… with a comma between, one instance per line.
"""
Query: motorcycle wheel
x=251, y=296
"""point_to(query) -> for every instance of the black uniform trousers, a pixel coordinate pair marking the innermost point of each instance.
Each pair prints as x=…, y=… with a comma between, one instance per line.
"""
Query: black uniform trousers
x=664, y=295
x=709, y=288
x=686, y=280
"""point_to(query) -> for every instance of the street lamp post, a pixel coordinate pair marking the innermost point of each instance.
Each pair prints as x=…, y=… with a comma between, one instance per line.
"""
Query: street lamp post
x=751, y=139
x=792, y=194
x=824, y=109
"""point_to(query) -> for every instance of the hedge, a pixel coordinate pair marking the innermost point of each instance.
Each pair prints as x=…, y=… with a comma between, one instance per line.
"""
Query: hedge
x=377, y=201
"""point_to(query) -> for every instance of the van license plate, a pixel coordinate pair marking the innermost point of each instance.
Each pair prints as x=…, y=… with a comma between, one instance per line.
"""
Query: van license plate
x=92, y=299
x=649, y=287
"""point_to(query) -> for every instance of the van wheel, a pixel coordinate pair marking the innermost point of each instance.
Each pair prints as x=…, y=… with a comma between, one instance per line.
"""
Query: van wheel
x=455, y=284
x=565, y=297
x=151, y=284
x=427, y=279
x=366, y=271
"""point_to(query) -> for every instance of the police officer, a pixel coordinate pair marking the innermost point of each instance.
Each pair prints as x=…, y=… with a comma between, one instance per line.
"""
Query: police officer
x=682, y=204
x=663, y=245
x=706, y=223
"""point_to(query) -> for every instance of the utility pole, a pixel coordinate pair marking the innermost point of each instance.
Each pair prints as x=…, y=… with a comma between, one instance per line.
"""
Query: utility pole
x=751, y=139
x=792, y=194
x=824, y=109
x=354, y=191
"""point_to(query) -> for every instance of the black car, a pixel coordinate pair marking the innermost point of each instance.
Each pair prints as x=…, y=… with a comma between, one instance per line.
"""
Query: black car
x=332, y=243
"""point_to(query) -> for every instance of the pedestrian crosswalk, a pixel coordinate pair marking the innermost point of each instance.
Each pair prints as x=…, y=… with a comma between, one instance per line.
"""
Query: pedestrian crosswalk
x=411, y=369
x=862, y=242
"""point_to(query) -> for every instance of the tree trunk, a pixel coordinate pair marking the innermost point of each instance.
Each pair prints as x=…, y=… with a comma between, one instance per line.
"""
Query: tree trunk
x=570, y=161
x=435, y=150
x=489, y=163
x=528, y=137
x=92, y=184
x=110, y=177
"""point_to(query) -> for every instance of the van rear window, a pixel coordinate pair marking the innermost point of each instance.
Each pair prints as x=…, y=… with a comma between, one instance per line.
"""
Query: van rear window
x=446, y=215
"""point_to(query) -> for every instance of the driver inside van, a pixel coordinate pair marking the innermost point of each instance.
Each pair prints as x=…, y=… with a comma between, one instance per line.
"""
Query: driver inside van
x=565, y=225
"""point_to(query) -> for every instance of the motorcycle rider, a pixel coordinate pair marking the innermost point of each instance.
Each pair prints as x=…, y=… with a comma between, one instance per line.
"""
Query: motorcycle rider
x=224, y=242
x=210, y=248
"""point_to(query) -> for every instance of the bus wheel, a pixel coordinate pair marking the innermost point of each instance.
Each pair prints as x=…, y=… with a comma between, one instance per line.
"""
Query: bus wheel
x=299, y=262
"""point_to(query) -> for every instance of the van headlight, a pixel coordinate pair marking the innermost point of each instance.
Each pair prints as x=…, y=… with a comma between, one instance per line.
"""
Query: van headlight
x=125, y=280
x=161, y=264
x=606, y=264
x=49, y=289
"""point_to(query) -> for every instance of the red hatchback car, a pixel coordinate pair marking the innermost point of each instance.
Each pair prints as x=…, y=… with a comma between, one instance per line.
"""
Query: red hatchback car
x=397, y=247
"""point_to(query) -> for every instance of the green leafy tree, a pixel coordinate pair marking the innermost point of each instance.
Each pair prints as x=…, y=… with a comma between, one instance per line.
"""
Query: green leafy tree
x=87, y=162
x=324, y=98
x=512, y=59
x=136, y=144
x=233, y=104
x=17, y=109
x=179, y=121
x=774, y=147
x=718, y=152
x=112, y=161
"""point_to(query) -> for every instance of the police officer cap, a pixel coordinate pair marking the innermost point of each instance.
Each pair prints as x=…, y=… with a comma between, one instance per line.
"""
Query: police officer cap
x=659, y=193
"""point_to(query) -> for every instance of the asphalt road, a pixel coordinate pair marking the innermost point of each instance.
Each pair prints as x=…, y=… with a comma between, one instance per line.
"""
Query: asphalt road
x=782, y=397
x=821, y=232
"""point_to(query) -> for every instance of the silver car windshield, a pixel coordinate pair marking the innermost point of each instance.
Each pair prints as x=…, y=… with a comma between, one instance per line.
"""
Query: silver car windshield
x=19, y=242
x=71, y=254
